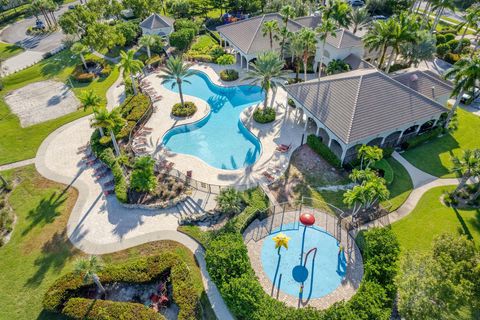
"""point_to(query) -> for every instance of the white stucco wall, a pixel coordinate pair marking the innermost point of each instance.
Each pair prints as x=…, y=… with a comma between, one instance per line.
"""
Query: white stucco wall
x=160, y=31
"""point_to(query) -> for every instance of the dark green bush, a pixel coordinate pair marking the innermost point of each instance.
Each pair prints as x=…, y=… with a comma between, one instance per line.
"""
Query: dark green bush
x=422, y=138
x=385, y=169
x=229, y=75
x=266, y=115
x=443, y=49
x=319, y=147
x=449, y=37
x=181, y=24
x=440, y=39
x=452, y=58
x=182, y=39
x=453, y=44
x=291, y=103
x=108, y=157
x=187, y=110
x=61, y=295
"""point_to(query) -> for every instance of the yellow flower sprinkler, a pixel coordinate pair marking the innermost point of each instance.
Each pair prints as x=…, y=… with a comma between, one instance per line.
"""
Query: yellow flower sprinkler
x=281, y=241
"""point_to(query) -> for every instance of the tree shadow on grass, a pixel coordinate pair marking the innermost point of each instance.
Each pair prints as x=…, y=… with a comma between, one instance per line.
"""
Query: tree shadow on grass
x=464, y=228
x=55, y=253
x=46, y=211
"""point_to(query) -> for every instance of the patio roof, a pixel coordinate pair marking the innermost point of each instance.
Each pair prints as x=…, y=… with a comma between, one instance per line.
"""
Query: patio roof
x=357, y=63
x=155, y=21
x=363, y=104
x=425, y=82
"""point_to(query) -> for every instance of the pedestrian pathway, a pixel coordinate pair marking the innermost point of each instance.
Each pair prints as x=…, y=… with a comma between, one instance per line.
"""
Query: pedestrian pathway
x=18, y=164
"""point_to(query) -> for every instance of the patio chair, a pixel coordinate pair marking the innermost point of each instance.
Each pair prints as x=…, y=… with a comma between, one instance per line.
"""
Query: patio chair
x=108, y=192
x=283, y=148
x=110, y=183
x=267, y=175
x=189, y=174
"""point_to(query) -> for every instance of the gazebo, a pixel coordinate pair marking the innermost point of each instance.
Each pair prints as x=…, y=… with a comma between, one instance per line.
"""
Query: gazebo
x=158, y=25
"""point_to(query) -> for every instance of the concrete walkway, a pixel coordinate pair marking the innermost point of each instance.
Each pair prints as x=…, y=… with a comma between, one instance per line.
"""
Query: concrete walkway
x=18, y=164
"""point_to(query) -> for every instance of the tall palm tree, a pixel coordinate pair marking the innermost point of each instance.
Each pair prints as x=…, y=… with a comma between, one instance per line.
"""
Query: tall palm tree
x=466, y=74
x=103, y=119
x=466, y=166
x=89, y=98
x=79, y=49
x=404, y=31
x=327, y=28
x=296, y=51
x=440, y=6
x=309, y=43
x=130, y=66
x=472, y=18
x=271, y=29
x=358, y=18
x=89, y=268
x=176, y=72
x=267, y=71
x=287, y=12
x=148, y=41
x=338, y=11
x=379, y=38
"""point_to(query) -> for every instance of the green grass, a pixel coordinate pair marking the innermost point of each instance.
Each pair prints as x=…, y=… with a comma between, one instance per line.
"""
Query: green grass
x=8, y=50
x=39, y=251
x=435, y=155
x=17, y=143
x=431, y=218
x=400, y=188
x=203, y=43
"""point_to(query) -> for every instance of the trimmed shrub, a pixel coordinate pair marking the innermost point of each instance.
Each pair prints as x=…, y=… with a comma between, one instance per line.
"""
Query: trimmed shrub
x=453, y=44
x=291, y=103
x=320, y=148
x=225, y=59
x=440, y=39
x=443, y=49
x=385, y=170
x=452, y=58
x=266, y=115
x=63, y=295
x=107, y=69
x=187, y=110
x=181, y=24
x=228, y=75
x=182, y=39
x=449, y=37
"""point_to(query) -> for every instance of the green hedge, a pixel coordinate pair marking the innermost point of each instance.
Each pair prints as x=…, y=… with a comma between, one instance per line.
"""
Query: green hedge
x=229, y=266
x=229, y=75
x=187, y=110
x=133, y=110
x=319, y=147
x=62, y=297
x=420, y=139
x=387, y=170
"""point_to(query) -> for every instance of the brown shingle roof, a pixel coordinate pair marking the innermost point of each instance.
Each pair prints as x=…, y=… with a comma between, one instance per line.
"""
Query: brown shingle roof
x=423, y=82
x=362, y=104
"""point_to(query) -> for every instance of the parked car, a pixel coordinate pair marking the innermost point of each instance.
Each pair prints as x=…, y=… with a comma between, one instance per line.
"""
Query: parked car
x=356, y=3
x=39, y=25
x=379, y=17
x=470, y=97
x=72, y=6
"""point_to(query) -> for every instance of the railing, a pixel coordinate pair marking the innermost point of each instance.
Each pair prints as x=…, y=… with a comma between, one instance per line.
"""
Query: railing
x=143, y=119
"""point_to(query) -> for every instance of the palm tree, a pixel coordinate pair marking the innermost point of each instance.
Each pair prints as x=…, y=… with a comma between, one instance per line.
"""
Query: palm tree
x=466, y=74
x=369, y=192
x=130, y=66
x=309, y=43
x=89, y=99
x=270, y=28
x=100, y=119
x=327, y=28
x=337, y=66
x=338, y=11
x=296, y=51
x=472, y=18
x=404, y=31
x=358, y=18
x=287, y=12
x=440, y=6
x=422, y=49
x=149, y=40
x=176, y=72
x=379, y=38
x=466, y=166
x=110, y=121
x=267, y=71
x=368, y=155
x=79, y=49
x=89, y=268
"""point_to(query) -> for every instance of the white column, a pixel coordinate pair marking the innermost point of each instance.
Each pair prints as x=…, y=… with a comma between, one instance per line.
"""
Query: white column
x=241, y=61
x=329, y=141
x=247, y=63
x=306, y=125
x=318, y=130
x=418, y=130
x=400, y=137
x=383, y=141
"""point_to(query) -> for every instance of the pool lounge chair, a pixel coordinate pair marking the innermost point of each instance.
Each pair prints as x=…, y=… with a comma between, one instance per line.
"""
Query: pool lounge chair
x=284, y=147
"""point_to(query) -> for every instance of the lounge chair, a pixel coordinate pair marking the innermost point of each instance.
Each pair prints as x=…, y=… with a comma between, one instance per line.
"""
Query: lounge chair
x=108, y=192
x=267, y=175
x=283, y=147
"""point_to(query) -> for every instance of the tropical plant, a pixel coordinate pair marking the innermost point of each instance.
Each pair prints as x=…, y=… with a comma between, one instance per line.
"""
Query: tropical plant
x=79, y=49
x=296, y=51
x=337, y=66
x=366, y=194
x=404, y=31
x=267, y=71
x=465, y=74
x=89, y=268
x=226, y=59
x=229, y=201
x=89, y=98
x=309, y=43
x=327, y=28
x=130, y=66
x=379, y=38
x=143, y=176
x=358, y=18
x=368, y=155
x=338, y=11
x=439, y=6
x=103, y=119
x=466, y=166
x=422, y=49
x=287, y=12
x=270, y=28
x=471, y=19
x=148, y=41
x=175, y=72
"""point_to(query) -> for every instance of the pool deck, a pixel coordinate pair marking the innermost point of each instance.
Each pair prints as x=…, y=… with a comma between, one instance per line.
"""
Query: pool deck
x=256, y=233
x=286, y=129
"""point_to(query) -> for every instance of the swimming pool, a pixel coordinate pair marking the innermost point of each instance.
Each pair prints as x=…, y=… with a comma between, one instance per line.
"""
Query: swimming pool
x=220, y=138
x=320, y=271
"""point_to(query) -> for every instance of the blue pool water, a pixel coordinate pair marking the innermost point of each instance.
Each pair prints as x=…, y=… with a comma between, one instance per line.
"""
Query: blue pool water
x=322, y=274
x=220, y=139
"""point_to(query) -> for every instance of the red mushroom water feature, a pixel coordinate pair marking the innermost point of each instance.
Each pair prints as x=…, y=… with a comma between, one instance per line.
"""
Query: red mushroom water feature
x=307, y=219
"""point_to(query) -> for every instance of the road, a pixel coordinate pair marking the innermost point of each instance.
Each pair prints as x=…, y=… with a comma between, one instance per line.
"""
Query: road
x=448, y=13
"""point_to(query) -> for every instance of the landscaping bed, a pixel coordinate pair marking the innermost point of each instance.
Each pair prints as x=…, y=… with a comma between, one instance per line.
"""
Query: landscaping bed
x=266, y=115
x=188, y=109
x=229, y=75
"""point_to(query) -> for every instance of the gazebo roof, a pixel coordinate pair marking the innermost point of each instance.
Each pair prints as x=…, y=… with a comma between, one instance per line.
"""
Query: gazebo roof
x=364, y=103
x=155, y=21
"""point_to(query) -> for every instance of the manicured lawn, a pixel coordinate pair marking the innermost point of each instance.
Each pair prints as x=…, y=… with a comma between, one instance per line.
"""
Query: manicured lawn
x=435, y=155
x=39, y=251
x=17, y=143
x=400, y=188
x=8, y=50
x=203, y=42
x=431, y=218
